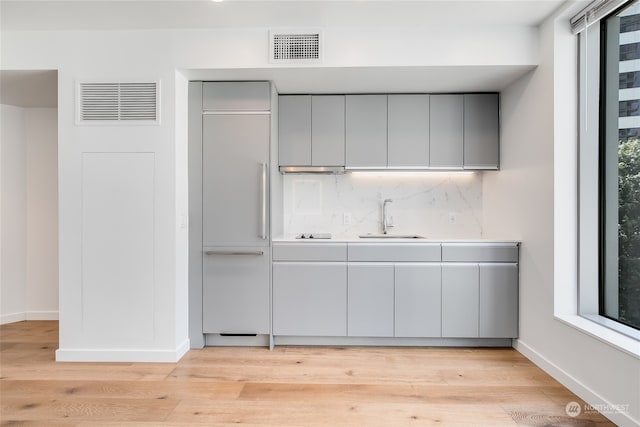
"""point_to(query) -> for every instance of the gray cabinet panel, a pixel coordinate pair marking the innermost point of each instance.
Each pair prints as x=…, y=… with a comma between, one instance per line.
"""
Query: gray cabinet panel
x=402, y=252
x=480, y=252
x=481, y=131
x=327, y=130
x=366, y=131
x=294, y=130
x=418, y=294
x=235, y=148
x=498, y=300
x=460, y=295
x=235, y=291
x=309, y=251
x=408, y=123
x=236, y=96
x=310, y=299
x=370, y=300
x=446, y=131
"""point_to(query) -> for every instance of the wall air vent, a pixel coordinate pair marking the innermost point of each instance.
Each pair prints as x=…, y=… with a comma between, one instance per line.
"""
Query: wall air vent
x=118, y=102
x=295, y=46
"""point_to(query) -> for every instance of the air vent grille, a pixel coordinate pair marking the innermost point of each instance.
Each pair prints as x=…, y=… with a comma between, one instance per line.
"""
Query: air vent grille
x=118, y=102
x=296, y=47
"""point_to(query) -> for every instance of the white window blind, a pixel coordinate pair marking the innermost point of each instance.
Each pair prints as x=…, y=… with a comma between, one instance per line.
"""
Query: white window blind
x=593, y=13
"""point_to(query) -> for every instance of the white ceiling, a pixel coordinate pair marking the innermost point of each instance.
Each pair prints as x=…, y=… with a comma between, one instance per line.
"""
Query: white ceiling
x=148, y=14
x=39, y=88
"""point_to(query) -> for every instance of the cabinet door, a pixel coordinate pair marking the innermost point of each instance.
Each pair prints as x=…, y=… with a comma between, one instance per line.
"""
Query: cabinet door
x=366, y=131
x=236, y=96
x=327, y=130
x=446, y=131
x=498, y=300
x=481, y=131
x=294, y=130
x=460, y=294
x=235, y=290
x=370, y=300
x=310, y=299
x=418, y=295
x=408, y=123
x=235, y=152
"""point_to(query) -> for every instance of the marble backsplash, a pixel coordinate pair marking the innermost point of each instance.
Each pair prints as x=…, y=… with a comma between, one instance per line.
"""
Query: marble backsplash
x=432, y=204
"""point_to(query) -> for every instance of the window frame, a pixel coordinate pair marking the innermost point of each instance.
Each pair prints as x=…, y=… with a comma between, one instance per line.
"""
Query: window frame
x=592, y=74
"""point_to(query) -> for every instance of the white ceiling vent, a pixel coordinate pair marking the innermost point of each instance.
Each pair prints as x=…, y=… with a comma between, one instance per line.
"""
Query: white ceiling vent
x=295, y=46
x=117, y=102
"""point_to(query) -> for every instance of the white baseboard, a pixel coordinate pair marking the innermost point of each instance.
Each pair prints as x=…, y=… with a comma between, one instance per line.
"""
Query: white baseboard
x=29, y=315
x=132, y=356
x=42, y=315
x=573, y=384
x=13, y=318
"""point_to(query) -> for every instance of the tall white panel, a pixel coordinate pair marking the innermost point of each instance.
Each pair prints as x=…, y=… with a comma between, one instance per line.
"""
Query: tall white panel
x=118, y=247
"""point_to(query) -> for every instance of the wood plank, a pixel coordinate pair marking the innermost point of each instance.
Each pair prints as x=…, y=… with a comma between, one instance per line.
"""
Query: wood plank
x=308, y=386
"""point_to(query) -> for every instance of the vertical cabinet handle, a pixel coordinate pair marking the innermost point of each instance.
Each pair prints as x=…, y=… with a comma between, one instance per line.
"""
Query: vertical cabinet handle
x=263, y=213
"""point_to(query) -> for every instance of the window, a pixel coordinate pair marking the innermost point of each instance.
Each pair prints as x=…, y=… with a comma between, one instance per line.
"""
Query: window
x=619, y=167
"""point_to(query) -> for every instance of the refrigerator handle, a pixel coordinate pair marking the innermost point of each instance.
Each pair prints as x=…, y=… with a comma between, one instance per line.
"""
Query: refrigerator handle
x=263, y=213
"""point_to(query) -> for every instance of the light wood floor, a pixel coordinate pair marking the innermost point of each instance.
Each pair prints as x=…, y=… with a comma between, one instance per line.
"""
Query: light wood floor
x=289, y=386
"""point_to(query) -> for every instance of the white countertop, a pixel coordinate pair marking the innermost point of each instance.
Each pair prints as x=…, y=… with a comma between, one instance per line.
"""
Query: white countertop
x=356, y=239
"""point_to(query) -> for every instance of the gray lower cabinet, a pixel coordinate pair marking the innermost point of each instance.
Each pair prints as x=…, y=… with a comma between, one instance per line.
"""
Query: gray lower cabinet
x=418, y=294
x=460, y=295
x=310, y=298
x=481, y=131
x=498, y=300
x=366, y=131
x=370, y=306
x=446, y=131
x=235, y=290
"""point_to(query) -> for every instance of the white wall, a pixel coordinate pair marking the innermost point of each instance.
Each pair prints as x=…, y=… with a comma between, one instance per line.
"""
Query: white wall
x=13, y=206
x=41, y=137
x=29, y=269
x=539, y=122
x=158, y=55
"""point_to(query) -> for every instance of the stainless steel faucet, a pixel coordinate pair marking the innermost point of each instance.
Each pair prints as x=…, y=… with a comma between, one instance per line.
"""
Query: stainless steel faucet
x=387, y=221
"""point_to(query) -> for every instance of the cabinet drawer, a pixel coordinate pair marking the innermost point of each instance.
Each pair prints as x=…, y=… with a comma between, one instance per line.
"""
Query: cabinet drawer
x=398, y=252
x=309, y=251
x=480, y=252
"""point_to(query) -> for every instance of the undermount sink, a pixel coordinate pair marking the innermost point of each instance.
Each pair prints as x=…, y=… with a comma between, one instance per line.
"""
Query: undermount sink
x=390, y=236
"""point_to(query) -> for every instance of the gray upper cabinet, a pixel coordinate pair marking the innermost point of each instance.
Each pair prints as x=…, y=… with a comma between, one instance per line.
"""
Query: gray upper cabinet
x=236, y=96
x=294, y=130
x=408, y=138
x=311, y=130
x=446, y=132
x=366, y=131
x=327, y=130
x=481, y=131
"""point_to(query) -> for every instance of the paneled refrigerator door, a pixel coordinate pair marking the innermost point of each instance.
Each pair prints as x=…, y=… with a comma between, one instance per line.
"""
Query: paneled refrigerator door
x=235, y=158
x=235, y=290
